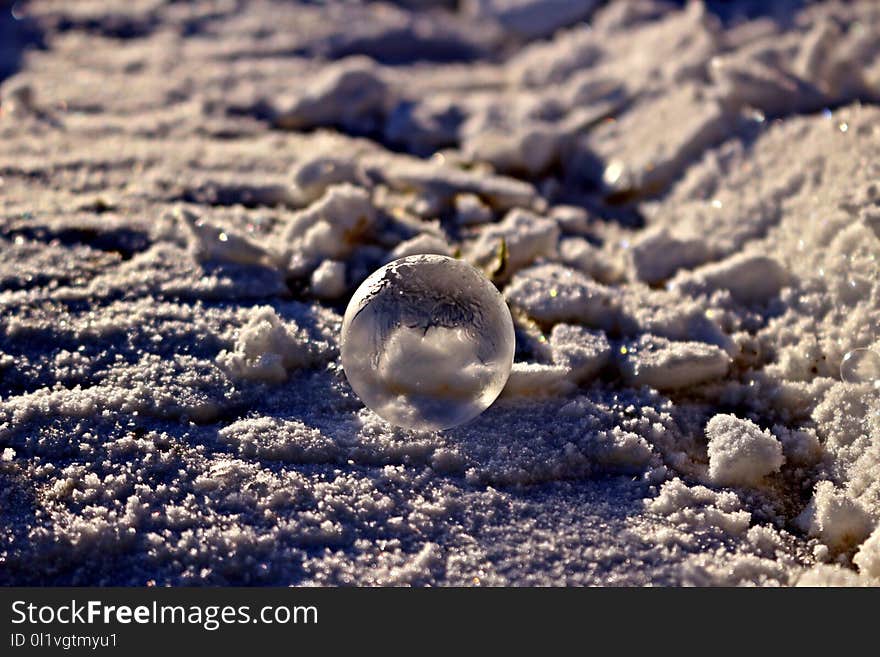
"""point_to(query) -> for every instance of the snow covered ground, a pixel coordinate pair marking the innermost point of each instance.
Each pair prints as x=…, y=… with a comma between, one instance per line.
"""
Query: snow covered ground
x=689, y=196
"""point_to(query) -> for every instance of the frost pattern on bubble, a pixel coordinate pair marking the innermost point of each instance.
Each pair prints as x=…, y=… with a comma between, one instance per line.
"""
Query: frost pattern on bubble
x=427, y=342
x=861, y=366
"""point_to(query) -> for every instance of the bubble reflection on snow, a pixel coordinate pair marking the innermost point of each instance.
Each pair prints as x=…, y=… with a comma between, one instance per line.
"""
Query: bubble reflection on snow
x=861, y=366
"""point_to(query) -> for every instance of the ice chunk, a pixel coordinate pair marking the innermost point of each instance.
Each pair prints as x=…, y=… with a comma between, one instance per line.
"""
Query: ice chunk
x=551, y=62
x=443, y=182
x=210, y=242
x=835, y=518
x=470, y=210
x=579, y=253
x=311, y=177
x=274, y=439
x=328, y=280
x=530, y=147
x=333, y=225
x=800, y=446
x=582, y=351
x=350, y=93
x=422, y=244
x=660, y=363
x=537, y=380
x=526, y=235
x=552, y=293
x=740, y=452
x=266, y=349
x=657, y=254
x=750, y=278
x=700, y=507
x=571, y=219
x=647, y=148
x=426, y=126
x=747, y=79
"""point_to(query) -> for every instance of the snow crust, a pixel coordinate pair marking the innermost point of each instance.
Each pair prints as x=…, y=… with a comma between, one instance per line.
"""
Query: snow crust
x=680, y=207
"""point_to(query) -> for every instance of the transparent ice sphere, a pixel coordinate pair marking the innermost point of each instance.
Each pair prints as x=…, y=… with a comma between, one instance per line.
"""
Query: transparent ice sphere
x=861, y=366
x=427, y=342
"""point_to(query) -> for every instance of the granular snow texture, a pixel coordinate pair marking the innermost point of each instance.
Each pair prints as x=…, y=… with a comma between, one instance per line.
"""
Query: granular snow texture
x=679, y=202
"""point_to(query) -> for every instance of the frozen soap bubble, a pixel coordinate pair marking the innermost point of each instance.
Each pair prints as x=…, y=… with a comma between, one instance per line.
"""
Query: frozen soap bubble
x=427, y=342
x=861, y=366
